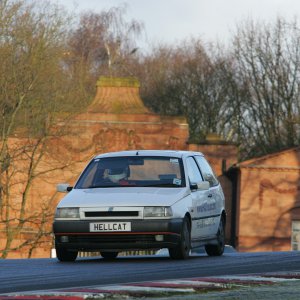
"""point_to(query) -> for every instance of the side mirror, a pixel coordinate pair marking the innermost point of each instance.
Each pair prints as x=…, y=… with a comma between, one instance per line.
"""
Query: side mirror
x=64, y=188
x=194, y=186
x=209, y=177
x=200, y=186
x=203, y=185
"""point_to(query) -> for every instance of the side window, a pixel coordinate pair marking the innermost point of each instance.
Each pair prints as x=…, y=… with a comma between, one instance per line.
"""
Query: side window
x=193, y=171
x=206, y=170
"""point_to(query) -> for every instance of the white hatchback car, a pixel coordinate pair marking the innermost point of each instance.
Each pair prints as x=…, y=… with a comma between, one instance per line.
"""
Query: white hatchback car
x=143, y=199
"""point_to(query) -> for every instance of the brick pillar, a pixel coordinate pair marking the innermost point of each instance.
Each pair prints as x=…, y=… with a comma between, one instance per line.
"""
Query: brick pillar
x=220, y=154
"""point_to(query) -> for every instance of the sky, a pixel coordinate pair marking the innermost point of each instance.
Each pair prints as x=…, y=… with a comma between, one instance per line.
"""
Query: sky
x=172, y=21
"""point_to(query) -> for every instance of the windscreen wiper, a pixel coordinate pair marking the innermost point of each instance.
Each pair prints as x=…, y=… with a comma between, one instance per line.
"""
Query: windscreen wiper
x=107, y=186
x=162, y=185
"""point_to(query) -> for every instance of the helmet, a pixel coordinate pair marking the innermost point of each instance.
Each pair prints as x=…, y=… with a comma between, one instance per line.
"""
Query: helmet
x=117, y=174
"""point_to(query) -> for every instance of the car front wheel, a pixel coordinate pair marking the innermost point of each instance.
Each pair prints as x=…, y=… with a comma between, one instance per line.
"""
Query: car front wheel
x=182, y=250
x=65, y=254
x=218, y=249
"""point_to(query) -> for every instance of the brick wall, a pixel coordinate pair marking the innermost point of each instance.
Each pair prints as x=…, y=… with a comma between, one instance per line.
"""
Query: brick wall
x=269, y=196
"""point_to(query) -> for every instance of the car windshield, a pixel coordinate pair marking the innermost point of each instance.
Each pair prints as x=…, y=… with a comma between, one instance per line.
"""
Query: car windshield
x=133, y=171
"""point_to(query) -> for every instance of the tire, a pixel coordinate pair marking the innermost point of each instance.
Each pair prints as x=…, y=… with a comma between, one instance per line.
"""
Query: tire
x=217, y=250
x=65, y=254
x=182, y=250
x=109, y=255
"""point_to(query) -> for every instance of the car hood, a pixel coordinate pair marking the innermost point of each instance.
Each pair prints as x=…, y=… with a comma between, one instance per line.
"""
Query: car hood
x=129, y=196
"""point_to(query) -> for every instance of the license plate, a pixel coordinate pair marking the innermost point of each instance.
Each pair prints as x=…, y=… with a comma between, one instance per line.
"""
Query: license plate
x=110, y=226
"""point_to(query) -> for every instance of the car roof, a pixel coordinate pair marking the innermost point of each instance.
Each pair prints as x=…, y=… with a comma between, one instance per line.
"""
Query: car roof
x=168, y=153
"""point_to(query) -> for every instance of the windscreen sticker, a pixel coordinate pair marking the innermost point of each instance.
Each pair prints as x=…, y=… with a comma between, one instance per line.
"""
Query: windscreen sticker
x=176, y=181
x=174, y=161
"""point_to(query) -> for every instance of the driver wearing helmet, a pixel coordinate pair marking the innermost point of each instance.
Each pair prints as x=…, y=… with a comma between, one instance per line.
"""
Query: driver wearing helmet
x=117, y=175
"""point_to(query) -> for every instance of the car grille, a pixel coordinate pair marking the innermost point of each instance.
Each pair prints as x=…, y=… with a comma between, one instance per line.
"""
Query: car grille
x=107, y=238
x=91, y=214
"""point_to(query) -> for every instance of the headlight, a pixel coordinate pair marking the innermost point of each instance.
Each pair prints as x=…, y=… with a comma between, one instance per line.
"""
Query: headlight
x=157, y=211
x=67, y=212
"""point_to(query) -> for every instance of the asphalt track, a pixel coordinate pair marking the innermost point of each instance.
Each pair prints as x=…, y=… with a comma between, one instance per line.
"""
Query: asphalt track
x=45, y=274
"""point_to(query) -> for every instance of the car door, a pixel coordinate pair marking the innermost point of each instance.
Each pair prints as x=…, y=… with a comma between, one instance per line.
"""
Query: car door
x=213, y=206
x=199, y=200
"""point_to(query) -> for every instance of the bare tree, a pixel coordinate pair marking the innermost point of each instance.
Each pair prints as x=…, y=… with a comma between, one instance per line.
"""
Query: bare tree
x=34, y=89
x=196, y=81
x=208, y=92
x=102, y=44
x=268, y=64
x=156, y=71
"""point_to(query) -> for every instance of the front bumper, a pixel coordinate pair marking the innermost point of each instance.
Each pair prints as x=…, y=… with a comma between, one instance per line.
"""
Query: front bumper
x=75, y=235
